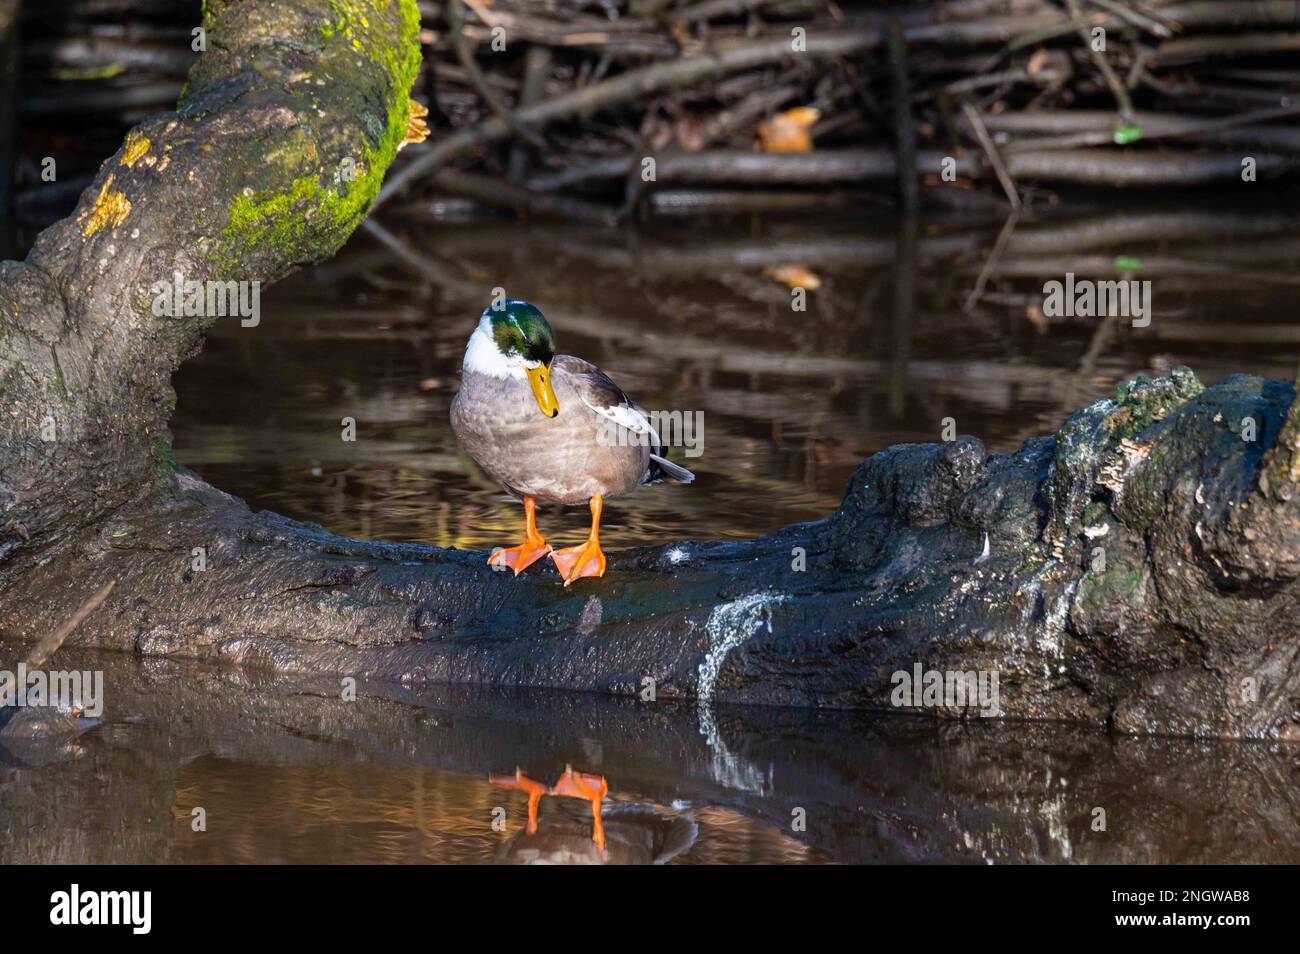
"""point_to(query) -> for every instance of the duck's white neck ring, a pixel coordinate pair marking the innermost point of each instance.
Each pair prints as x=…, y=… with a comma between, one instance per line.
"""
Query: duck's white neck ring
x=482, y=356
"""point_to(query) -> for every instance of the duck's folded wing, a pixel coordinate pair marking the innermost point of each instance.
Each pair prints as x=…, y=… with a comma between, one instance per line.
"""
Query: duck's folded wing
x=599, y=393
x=606, y=398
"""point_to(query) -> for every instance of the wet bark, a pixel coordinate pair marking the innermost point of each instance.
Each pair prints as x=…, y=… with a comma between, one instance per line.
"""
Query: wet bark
x=940, y=555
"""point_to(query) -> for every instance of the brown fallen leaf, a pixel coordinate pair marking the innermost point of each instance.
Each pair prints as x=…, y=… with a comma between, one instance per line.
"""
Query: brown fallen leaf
x=790, y=131
x=1037, y=319
x=793, y=276
x=1036, y=63
x=683, y=130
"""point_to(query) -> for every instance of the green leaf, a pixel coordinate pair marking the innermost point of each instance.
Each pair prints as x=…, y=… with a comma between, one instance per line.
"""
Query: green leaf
x=1127, y=264
x=1127, y=134
x=75, y=73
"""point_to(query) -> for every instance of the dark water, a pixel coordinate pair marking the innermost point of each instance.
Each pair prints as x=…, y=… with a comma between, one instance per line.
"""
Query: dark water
x=286, y=771
x=688, y=318
x=683, y=318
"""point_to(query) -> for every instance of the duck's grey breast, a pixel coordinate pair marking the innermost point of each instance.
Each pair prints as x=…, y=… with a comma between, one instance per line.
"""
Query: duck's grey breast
x=565, y=459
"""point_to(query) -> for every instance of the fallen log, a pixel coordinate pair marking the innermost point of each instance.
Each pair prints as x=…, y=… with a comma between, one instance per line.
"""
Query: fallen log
x=737, y=166
x=939, y=555
x=1138, y=570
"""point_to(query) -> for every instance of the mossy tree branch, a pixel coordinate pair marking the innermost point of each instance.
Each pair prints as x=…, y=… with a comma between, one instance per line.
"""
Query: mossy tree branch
x=273, y=157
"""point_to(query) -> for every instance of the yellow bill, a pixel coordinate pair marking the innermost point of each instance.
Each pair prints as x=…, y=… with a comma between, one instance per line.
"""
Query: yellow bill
x=540, y=379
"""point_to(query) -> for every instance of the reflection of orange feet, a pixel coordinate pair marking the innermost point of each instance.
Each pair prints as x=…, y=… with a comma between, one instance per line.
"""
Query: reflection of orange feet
x=530, y=551
x=591, y=788
x=523, y=783
x=586, y=559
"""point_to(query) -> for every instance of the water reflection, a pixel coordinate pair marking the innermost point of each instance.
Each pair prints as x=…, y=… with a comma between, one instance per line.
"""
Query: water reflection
x=590, y=788
x=285, y=770
x=638, y=835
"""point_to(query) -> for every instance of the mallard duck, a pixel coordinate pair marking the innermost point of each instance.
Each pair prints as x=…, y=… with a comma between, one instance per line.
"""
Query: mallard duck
x=553, y=428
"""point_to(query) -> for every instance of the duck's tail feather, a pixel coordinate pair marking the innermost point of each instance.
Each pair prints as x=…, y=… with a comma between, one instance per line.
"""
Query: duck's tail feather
x=661, y=468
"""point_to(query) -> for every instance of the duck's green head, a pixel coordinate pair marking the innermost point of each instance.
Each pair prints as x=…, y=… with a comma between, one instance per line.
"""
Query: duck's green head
x=524, y=341
x=521, y=331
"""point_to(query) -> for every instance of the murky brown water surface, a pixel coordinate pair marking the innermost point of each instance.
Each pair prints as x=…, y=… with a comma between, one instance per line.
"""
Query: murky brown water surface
x=193, y=763
x=686, y=318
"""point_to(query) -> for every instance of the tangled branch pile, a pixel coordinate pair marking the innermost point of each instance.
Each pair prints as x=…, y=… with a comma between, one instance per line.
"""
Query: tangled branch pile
x=774, y=103
x=554, y=107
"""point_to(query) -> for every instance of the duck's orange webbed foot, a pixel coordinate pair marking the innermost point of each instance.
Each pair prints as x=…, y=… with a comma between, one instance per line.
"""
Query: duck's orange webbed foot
x=530, y=551
x=521, y=557
x=586, y=559
x=590, y=788
x=523, y=783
